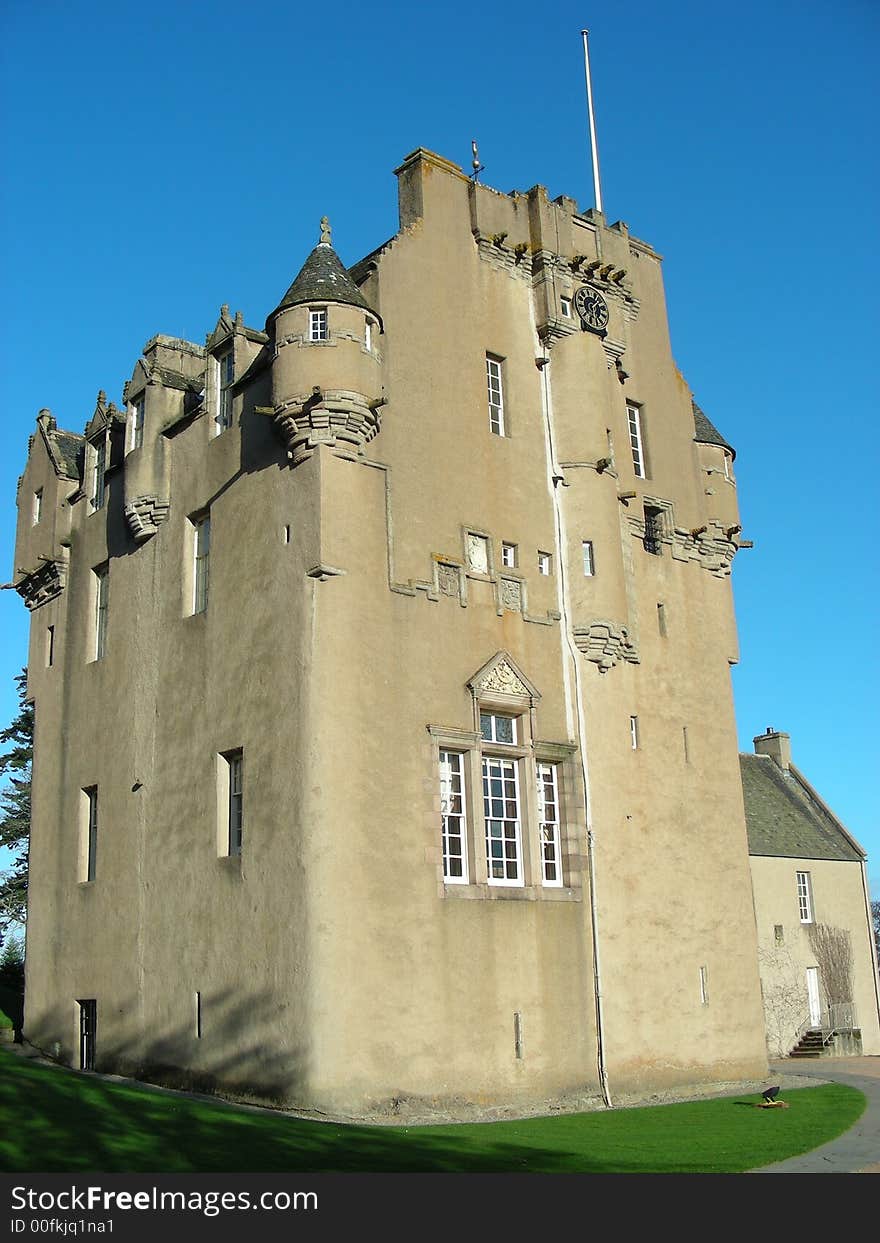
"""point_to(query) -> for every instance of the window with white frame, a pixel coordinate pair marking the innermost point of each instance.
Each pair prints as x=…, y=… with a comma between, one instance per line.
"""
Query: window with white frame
x=225, y=378
x=634, y=732
x=495, y=387
x=545, y=563
x=501, y=811
x=201, y=561
x=90, y=833
x=368, y=333
x=509, y=556
x=494, y=727
x=805, y=897
x=704, y=986
x=589, y=562
x=318, y=330
x=101, y=577
x=565, y=307
x=453, y=818
x=99, y=469
x=549, y=824
x=37, y=507
x=137, y=422
x=234, y=761
x=634, y=419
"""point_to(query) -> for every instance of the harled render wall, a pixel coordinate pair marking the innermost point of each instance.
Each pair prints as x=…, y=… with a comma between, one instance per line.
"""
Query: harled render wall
x=334, y=966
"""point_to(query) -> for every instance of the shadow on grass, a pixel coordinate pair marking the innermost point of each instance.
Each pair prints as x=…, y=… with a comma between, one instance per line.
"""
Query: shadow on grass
x=68, y=1121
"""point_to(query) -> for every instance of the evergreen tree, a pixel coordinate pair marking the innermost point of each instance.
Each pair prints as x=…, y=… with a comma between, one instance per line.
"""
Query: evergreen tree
x=15, y=809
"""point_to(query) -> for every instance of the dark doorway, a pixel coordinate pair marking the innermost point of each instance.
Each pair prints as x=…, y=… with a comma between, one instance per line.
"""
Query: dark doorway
x=88, y=1025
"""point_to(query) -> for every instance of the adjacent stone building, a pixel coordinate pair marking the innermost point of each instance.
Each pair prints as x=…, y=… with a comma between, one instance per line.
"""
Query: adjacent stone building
x=816, y=949
x=385, y=746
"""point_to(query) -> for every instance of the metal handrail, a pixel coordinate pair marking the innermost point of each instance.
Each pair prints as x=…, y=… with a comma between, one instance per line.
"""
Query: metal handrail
x=841, y=1016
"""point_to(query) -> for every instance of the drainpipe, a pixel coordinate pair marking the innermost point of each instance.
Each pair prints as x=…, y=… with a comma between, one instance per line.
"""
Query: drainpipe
x=555, y=481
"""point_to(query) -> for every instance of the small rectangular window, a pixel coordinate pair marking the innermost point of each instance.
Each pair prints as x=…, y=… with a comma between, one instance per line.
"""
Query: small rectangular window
x=549, y=825
x=589, y=563
x=495, y=389
x=318, y=325
x=137, y=422
x=198, y=1015
x=634, y=419
x=99, y=467
x=90, y=829
x=201, y=557
x=102, y=594
x=805, y=897
x=50, y=646
x=565, y=307
x=634, y=732
x=225, y=377
x=37, y=507
x=653, y=541
x=545, y=563
x=497, y=728
x=453, y=818
x=285, y=534
x=509, y=556
x=368, y=334
x=235, y=802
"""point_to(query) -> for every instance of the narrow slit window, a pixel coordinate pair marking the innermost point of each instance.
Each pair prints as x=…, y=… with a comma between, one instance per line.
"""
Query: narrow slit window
x=102, y=595
x=99, y=469
x=805, y=897
x=90, y=844
x=225, y=378
x=50, y=646
x=704, y=986
x=589, y=561
x=137, y=422
x=201, y=560
x=661, y=620
x=634, y=732
x=235, y=803
x=37, y=507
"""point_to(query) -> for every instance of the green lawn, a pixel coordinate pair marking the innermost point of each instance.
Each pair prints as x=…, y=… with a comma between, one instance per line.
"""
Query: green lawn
x=55, y=1120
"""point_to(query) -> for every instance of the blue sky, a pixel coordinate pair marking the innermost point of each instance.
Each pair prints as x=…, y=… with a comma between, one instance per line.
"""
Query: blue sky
x=158, y=163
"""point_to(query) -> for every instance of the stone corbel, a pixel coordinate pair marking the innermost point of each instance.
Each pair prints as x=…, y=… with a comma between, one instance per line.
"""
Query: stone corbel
x=144, y=515
x=605, y=644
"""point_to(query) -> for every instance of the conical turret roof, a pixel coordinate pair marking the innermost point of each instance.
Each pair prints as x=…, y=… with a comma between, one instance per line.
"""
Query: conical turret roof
x=705, y=432
x=323, y=278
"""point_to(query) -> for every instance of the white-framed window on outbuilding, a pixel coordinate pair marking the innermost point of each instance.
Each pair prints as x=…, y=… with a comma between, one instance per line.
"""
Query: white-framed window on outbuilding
x=495, y=392
x=453, y=817
x=805, y=897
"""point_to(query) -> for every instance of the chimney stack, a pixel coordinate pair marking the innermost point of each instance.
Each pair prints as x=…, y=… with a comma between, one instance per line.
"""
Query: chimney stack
x=775, y=744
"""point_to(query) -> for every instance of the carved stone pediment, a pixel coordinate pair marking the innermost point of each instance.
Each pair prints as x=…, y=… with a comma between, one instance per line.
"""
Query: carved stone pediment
x=501, y=676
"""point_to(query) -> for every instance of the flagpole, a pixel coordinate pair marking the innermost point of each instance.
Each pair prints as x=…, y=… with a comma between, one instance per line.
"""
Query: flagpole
x=594, y=148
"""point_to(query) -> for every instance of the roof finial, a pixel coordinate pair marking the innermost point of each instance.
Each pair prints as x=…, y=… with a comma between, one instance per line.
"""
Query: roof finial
x=325, y=231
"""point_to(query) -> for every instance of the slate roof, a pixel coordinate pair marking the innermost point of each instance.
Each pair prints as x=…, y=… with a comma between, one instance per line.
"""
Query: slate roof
x=705, y=432
x=323, y=278
x=68, y=451
x=783, y=820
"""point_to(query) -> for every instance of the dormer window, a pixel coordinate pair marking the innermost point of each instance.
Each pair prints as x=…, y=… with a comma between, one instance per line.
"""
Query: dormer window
x=99, y=468
x=225, y=377
x=137, y=422
x=318, y=324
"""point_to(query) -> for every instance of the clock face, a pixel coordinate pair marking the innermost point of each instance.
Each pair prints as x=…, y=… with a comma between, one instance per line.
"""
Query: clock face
x=592, y=308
